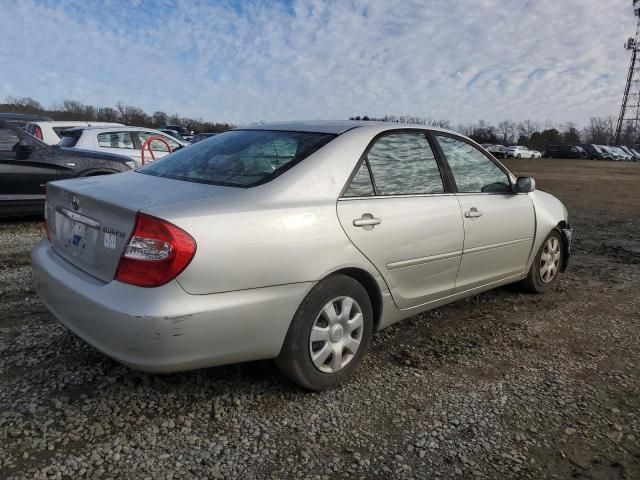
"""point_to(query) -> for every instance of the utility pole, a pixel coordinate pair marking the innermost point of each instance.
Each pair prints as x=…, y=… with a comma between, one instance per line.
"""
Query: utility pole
x=630, y=109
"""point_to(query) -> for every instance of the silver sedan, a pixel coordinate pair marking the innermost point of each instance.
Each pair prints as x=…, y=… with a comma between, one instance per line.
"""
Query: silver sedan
x=292, y=241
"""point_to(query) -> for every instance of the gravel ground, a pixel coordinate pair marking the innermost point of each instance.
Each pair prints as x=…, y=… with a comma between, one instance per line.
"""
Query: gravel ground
x=501, y=385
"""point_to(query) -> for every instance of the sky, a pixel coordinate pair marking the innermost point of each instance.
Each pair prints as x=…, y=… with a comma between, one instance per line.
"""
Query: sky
x=253, y=60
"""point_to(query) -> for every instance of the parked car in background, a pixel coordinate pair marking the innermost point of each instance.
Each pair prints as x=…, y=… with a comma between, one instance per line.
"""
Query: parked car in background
x=21, y=119
x=174, y=134
x=613, y=155
x=125, y=141
x=636, y=154
x=623, y=154
x=564, y=151
x=186, y=133
x=594, y=152
x=198, y=137
x=519, y=151
x=632, y=155
x=498, y=151
x=51, y=132
x=27, y=164
x=294, y=241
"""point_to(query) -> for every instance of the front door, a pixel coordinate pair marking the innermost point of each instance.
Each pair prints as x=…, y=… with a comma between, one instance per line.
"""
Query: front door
x=397, y=213
x=25, y=167
x=499, y=225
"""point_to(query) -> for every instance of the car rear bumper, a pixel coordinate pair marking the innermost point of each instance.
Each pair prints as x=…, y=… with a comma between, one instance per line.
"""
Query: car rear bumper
x=165, y=329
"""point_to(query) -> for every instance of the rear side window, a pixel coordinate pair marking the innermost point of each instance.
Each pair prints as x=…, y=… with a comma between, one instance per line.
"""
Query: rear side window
x=69, y=139
x=361, y=184
x=9, y=141
x=240, y=158
x=472, y=170
x=116, y=140
x=401, y=164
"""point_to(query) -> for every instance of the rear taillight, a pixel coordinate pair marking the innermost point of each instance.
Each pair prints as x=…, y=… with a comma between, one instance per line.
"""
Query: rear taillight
x=37, y=132
x=156, y=254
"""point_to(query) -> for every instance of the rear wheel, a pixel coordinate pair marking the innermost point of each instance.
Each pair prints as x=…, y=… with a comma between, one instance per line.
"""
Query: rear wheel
x=546, y=266
x=329, y=334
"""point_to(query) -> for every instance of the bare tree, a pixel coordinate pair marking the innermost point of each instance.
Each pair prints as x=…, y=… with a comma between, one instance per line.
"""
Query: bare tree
x=507, y=131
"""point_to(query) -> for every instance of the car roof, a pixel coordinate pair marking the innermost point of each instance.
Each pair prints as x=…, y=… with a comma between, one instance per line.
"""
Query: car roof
x=335, y=127
x=25, y=117
x=78, y=123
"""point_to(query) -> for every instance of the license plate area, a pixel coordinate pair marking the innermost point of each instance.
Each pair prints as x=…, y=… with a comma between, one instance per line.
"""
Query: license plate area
x=77, y=235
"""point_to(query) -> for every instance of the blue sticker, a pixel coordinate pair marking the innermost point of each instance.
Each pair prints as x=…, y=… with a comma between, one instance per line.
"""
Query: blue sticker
x=76, y=240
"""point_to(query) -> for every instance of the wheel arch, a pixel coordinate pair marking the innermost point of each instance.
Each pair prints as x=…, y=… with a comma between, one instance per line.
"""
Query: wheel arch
x=371, y=286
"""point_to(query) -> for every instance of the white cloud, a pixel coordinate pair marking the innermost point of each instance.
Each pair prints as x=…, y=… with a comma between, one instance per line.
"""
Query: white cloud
x=463, y=60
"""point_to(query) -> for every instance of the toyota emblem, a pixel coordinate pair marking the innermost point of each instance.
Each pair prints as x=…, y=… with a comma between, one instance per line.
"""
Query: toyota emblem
x=75, y=203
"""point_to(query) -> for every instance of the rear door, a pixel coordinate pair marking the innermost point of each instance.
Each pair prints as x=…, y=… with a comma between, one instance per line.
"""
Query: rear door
x=498, y=224
x=399, y=214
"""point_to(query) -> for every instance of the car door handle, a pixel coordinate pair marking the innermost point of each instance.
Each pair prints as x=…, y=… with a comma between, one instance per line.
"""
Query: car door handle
x=367, y=221
x=473, y=212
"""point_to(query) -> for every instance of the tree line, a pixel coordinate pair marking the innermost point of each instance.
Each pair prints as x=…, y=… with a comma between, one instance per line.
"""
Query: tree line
x=599, y=130
x=128, y=114
x=536, y=136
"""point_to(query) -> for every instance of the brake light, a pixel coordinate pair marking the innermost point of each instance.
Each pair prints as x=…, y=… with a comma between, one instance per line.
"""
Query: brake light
x=37, y=132
x=157, y=252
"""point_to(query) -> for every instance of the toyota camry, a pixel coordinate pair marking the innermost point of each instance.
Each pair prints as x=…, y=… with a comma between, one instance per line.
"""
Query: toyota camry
x=290, y=241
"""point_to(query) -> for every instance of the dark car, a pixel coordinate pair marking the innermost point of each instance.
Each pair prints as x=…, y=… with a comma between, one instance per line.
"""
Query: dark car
x=564, y=151
x=594, y=152
x=27, y=164
x=181, y=129
x=21, y=119
x=202, y=136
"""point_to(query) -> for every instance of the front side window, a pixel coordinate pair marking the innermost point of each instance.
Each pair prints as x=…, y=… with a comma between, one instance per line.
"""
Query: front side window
x=239, y=158
x=401, y=164
x=472, y=170
x=158, y=146
x=116, y=140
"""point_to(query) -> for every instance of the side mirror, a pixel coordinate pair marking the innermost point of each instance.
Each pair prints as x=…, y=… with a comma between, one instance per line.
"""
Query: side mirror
x=525, y=185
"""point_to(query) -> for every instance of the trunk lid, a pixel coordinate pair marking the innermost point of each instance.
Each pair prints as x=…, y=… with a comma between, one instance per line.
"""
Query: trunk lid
x=91, y=219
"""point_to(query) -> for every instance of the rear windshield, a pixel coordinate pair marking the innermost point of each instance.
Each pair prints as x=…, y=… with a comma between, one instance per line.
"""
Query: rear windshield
x=240, y=158
x=69, y=139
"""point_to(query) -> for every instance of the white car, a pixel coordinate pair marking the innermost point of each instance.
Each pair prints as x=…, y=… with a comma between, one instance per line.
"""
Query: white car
x=51, y=132
x=519, y=151
x=126, y=141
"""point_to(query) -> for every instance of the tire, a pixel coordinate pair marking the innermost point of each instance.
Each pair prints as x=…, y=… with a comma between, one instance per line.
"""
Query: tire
x=533, y=156
x=537, y=281
x=519, y=156
x=295, y=360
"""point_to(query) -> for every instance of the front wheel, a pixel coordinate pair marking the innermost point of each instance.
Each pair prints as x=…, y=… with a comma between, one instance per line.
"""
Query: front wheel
x=546, y=266
x=533, y=156
x=329, y=334
x=519, y=156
